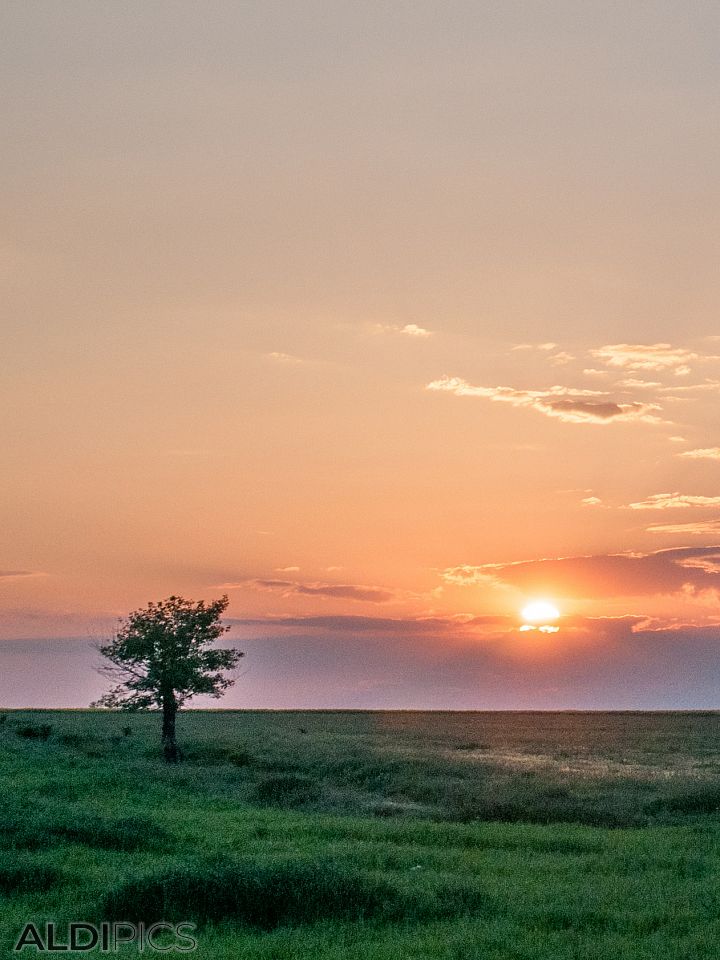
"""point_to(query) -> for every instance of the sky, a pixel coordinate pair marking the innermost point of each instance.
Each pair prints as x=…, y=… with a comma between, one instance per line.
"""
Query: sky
x=386, y=320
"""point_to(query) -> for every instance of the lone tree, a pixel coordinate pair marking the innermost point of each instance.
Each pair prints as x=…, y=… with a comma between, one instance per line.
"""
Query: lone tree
x=161, y=657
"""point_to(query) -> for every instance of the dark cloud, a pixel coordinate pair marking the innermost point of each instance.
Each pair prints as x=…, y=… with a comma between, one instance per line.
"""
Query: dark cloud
x=565, y=403
x=383, y=626
x=694, y=569
x=432, y=663
x=330, y=591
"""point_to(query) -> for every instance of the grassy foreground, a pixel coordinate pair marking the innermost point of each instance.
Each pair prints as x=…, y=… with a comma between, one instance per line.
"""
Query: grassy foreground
x=384, y=835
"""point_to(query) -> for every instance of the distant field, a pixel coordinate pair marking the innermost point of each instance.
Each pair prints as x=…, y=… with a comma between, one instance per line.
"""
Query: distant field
x=371, y=835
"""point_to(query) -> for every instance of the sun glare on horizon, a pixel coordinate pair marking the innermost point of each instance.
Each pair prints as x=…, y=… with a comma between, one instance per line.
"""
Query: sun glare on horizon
x=540, y=611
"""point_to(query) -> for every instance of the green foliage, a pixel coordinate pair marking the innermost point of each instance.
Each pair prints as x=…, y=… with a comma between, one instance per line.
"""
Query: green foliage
x=163, y=651
x=478, y=855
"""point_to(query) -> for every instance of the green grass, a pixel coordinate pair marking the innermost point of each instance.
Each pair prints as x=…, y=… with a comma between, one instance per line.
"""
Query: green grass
x=386, y=835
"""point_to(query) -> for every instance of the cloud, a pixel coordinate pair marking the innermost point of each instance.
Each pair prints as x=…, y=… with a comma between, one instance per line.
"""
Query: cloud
x=561, y=358
x=465, y=575
x=688, y=569
x=650, y=356
x=408, y=330
x=287, y=569
x=592, y=663
x=535, y=346
x=564, y=403
x=633, y=383
x=412, y=330
x=696, y=529
x=591, y=501
x=674, y=501
x=283, y=358
x=705, y=453
x=348, y=624
x=19, y=574
x=328, y=591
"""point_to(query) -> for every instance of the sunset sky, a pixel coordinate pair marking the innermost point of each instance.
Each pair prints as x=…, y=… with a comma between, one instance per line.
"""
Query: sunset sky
x=386, y=319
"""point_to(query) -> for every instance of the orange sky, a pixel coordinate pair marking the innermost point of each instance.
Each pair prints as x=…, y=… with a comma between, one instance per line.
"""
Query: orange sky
x=401, y=311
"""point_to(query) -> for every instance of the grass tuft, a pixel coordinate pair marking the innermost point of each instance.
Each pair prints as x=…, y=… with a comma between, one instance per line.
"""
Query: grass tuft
x=286, y=790
x=123, y=834
x=35, y=731
x=256, y=895
x=24, y=877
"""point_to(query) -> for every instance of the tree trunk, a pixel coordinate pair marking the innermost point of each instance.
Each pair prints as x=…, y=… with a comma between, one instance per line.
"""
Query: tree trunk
x=170, y=747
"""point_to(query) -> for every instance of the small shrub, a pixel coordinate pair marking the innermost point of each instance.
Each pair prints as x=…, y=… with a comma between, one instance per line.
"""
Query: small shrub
x=569, y=917
x=41, y=731
x=19, y=831
x=525, y=801
x=212, y=755
x=79, y=741
x=127, y=731
x=257, y=895
x=126, y=834
x=702, y=799
x=18, y=878
x=292, y=893
x=288, y=790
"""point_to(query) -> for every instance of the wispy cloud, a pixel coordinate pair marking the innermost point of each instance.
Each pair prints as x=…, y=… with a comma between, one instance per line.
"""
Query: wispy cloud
x=413, y=330
x=287, y=358
x=536, y=346
x=465, y=575
x=561, y=358
x=329, y=591
x=564, y=403
x=408, y=330
x=704, y=453
x=700, y=528
x=634, y=383
x=20, y=574
x=649, y=356
x=674, y=501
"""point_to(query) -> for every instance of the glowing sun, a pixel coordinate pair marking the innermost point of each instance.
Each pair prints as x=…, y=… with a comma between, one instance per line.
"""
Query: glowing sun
x=540, y=611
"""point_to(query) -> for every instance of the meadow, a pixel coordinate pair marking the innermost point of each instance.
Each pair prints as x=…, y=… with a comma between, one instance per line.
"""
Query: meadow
x=384, y=835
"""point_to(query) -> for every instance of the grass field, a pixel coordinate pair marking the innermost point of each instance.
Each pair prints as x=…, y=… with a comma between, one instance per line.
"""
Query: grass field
x=371, y=835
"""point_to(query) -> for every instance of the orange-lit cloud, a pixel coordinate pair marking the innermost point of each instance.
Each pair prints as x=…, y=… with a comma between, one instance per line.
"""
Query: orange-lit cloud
x=602, y=576
x=699, y=528
x=704, y=453
x=535, y=346
x=407, y=330
x=674, y=501
x=565, y=403
x=284, y=358
x=650, y=356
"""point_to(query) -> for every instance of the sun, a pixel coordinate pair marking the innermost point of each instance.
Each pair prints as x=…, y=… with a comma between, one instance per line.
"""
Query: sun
x=540, y=611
